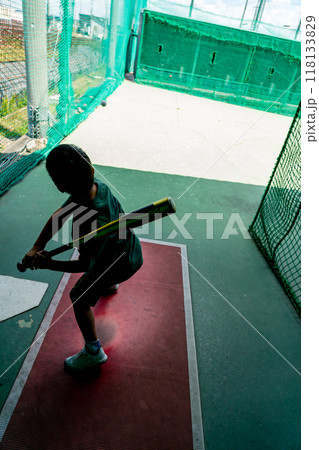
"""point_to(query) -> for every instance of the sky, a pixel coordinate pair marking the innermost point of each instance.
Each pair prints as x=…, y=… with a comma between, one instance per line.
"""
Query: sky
x=276, y=12
x=284, y=13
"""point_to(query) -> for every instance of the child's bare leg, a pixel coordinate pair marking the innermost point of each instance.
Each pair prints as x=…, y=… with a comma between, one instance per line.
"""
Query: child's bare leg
x=93, y=354
x=86, y=322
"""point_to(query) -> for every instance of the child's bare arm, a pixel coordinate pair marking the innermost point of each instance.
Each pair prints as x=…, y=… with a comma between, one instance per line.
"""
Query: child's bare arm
x=43, y=238
x=47, y=232
x=42, y=261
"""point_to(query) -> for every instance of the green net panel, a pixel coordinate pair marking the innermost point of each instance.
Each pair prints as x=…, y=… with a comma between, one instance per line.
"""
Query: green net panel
x=218, y=62
x=277, y=224
x=58, y=60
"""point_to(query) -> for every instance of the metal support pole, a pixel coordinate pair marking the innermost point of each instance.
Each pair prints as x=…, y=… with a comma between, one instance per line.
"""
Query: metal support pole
x=258, y=15
x=110, y=68
x=35, y=44
x=298, y=29
x=138, y=44
x=191, y=9
x=244, y=12
x=66, y=107
x=131, y=47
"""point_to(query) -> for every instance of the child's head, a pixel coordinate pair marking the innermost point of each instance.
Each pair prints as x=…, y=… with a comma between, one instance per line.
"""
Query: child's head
x=70, y=169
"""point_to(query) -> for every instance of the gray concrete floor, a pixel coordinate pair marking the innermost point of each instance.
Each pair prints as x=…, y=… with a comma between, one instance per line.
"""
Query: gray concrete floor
x=157, y=130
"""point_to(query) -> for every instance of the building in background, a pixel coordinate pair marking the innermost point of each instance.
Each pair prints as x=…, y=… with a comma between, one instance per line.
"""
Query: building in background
x=92, y=26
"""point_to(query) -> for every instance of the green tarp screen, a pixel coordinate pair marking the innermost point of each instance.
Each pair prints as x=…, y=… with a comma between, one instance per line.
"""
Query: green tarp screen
x=218, y=62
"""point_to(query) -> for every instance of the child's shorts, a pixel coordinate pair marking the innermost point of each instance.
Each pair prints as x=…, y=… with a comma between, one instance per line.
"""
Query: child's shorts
x=90, y=287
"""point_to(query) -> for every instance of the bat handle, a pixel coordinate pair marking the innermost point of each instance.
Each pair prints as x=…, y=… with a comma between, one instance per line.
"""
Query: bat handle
x=21, y=267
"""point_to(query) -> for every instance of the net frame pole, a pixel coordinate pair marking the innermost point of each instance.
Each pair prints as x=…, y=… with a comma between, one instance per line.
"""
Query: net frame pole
x=139, y=41
x=297, y=31
x=244, y=12
x=191, y=9
x=258, y=14
x=65, y=107
x=110, y=70
x=35, y=44
x=132, y=45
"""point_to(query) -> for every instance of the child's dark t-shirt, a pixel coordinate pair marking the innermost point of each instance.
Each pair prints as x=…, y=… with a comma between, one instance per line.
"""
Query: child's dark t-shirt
x=100, y=254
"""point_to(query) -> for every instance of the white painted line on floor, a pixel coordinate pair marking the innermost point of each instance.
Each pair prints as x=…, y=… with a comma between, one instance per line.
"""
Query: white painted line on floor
x=197, y=422
x=196, y=409
x=18, y=295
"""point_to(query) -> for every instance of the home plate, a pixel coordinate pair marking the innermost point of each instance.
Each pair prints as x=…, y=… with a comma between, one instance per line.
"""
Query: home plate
x=18, y=295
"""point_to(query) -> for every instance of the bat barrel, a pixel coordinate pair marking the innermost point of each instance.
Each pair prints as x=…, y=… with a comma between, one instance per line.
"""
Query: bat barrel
x=165, y=206
x=171, y=206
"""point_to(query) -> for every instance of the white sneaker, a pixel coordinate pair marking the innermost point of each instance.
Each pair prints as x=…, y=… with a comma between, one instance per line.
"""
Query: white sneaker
x=84, y=360
x=111, y=290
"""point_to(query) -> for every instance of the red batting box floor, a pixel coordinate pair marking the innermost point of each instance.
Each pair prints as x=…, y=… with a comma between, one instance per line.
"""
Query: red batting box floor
x=140, y=398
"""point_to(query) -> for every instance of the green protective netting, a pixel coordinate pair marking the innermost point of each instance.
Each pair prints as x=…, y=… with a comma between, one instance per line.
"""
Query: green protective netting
x=218, y=62
x=58, y=60
x=277, y=224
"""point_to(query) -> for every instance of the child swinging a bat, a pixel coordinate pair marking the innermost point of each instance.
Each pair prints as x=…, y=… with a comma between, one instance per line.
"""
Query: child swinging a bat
x=106, y=262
